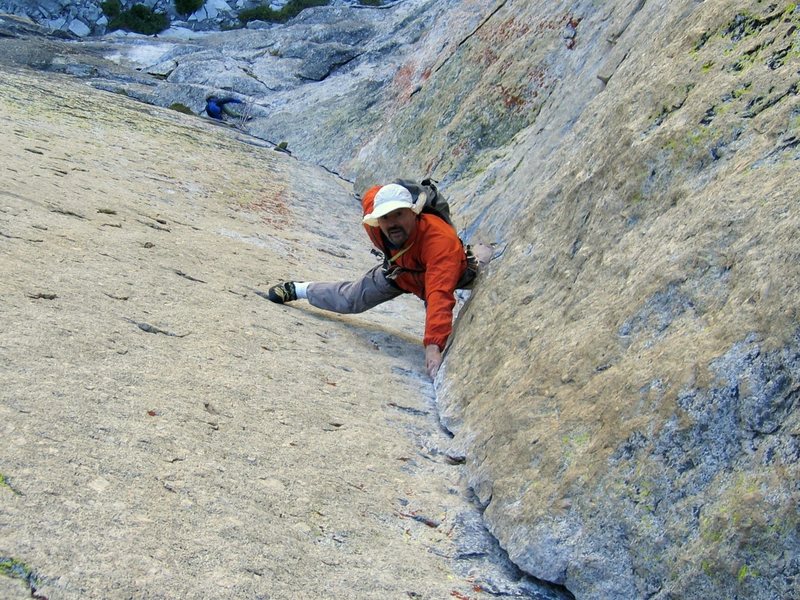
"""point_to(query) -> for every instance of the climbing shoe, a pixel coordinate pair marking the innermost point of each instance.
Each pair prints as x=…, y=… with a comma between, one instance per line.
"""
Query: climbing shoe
x=283, y=292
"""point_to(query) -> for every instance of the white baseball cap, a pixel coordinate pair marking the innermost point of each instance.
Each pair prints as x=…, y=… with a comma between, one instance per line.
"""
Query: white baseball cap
x=391, y=197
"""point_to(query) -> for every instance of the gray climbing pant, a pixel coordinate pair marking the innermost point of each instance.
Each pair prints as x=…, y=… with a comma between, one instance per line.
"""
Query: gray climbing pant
x=347, y=297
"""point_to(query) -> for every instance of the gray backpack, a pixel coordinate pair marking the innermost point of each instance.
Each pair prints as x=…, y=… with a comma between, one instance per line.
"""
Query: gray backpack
x=435, y=202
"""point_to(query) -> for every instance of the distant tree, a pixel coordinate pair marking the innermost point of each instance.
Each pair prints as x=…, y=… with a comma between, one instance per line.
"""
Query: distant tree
x=292, y=9
x=111, y=8
x=187, y=7
x=139, y=19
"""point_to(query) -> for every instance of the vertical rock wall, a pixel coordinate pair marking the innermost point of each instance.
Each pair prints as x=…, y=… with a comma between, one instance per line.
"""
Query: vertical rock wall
x=625, y=377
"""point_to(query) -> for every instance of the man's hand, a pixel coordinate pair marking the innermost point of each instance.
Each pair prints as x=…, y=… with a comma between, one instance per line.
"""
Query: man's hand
x=433, y=359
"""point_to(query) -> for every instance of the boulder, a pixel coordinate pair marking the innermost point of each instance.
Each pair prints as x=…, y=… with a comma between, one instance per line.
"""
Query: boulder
x=79, y=28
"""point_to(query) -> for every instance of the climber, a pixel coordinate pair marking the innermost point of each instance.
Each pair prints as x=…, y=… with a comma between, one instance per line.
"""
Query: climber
x=216, y=107
x=423, y=255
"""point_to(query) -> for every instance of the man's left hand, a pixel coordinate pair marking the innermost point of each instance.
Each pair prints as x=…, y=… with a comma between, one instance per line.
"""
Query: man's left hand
x=433, y=359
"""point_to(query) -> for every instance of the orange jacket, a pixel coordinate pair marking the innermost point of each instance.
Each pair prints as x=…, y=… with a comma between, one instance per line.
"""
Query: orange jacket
x=432, y=262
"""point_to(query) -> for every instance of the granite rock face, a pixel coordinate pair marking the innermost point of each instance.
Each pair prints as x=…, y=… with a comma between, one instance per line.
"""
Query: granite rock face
x=324, y=83
x=624, y=380
x=169, y=433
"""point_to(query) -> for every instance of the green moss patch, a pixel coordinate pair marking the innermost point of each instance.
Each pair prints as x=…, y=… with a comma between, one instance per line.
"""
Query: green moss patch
x=16, y=569
x=5, y=483
x=181, y=108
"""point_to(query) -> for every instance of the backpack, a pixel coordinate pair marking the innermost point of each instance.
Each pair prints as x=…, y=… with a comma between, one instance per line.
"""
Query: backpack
x=435, y=202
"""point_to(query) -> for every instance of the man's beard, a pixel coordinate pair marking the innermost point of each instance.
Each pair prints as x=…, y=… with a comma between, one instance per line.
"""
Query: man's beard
x=397, y=235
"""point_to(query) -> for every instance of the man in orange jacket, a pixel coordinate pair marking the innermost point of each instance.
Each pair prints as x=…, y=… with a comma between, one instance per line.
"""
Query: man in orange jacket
x=423, y=256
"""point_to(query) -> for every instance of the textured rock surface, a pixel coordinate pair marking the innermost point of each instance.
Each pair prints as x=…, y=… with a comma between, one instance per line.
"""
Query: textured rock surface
x=624, y=381
x=167, y=432
x=327, y=83
x=637, y=435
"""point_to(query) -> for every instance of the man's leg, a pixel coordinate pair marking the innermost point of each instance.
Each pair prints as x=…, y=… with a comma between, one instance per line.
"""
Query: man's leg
x=353, y=296
x=342, y=297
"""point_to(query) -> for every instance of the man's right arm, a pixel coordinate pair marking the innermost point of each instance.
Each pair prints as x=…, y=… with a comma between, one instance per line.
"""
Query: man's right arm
x=445, y=262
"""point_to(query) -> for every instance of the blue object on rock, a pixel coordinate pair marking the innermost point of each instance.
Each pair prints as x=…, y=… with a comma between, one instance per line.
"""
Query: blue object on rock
x=215, y=107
